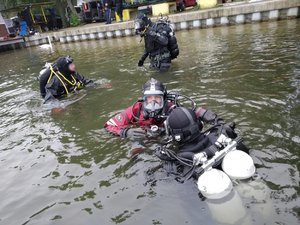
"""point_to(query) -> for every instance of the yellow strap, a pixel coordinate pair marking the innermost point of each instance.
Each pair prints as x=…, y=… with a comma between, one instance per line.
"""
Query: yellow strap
x=50, y=76
x=45, y=18
x=32, y=17
x=53, y=72
x=74, y=80
x=145, y=29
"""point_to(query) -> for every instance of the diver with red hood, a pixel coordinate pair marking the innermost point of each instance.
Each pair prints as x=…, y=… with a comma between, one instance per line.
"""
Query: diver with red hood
x=60, y=78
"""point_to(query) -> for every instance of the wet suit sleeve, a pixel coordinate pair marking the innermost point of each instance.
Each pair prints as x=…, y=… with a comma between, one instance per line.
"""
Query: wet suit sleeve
x=119, y=122
x=82, y=79
x=212, y=118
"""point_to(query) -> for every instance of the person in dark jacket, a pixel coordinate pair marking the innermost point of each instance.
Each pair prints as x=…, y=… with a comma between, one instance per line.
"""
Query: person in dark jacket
x=119, y=9
x=160, y=43
x=60, y=78
x=107, y=7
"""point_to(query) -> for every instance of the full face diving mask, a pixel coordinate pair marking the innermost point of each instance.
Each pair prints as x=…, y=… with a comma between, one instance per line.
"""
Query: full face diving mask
x=153, y=107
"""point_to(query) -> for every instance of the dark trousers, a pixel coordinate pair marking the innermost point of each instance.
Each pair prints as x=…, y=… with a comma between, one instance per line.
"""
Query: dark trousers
x=119, y=10
x=108, y=15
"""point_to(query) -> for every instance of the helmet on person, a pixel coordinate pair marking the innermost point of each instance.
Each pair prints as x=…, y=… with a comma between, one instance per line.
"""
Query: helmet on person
x=154, y=98
x=183, y=125
x=141, y=22
x=62, y=64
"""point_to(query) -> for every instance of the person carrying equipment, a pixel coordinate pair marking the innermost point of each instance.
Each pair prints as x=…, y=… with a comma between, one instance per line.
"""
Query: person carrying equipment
x=160, y=42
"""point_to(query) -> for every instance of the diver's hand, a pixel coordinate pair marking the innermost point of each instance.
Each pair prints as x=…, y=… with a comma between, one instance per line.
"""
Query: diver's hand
x=135, y=133
x=140, y=63
x=152, y=32
x=88, y=82
x=228, y=130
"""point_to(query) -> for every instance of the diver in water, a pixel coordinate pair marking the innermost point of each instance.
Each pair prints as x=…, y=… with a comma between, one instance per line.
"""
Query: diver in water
x=59, y=79
x=185, y=127
x=160, y=42
x=151, y=109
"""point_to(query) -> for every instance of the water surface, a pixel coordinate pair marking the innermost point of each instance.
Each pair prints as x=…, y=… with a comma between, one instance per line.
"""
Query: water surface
x=63, y=168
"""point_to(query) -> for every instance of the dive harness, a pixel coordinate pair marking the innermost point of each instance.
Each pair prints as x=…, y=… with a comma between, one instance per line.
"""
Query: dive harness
x=61, y=77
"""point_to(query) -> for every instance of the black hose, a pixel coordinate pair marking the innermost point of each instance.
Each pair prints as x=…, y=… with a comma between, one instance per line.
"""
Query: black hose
x=183, y=161
x=176, y=101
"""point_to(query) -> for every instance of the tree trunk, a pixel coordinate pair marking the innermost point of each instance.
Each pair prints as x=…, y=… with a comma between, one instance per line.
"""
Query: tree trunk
x=70, y=5
x=60, y=7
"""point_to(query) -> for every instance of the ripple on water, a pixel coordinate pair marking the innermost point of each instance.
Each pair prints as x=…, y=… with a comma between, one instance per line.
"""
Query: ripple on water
x=64, y=168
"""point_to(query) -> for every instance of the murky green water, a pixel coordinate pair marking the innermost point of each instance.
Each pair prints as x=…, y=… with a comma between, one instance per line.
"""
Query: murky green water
x=65, y=169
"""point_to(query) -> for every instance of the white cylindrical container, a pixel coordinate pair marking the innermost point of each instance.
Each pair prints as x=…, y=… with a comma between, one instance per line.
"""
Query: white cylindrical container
x=238, y=165
x=109, y=34
x=224, y=203
x=214, y=184
x=101, y=35
x=69, y=38
x=83, y=37
x=76, y=38
x=229, y=210
x=128, y=32
x=118, y=33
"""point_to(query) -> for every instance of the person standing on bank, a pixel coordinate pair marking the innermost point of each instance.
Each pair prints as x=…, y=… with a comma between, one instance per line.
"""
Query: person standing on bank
x=119, y=9
x=107, y=7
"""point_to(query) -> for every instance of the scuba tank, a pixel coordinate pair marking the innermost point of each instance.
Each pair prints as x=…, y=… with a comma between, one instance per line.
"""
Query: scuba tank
x=173, y=47
x=163, y=24
x=43, y=78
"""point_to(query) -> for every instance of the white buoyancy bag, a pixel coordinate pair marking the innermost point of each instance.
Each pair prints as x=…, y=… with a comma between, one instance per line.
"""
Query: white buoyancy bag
x=238, y=165
x=214, y=184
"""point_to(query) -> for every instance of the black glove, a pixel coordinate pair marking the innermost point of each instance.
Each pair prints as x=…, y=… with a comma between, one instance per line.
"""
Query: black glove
x=140, y=63
x=88, y=82
x=134, y=133
x=228, y=130
x=152, y=33
x=209, y=116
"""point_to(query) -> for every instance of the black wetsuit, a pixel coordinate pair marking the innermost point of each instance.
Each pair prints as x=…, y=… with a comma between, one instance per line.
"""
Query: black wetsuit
x=55, y=88
x=57, y=80
x=187, y=127
x=156, y=47
x=206, y=142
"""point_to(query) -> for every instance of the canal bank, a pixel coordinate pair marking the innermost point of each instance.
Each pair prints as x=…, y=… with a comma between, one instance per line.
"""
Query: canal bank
x=231, y=14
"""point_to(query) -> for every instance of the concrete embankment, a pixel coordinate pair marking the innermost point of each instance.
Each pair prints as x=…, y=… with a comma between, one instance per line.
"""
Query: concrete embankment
x=247, y=12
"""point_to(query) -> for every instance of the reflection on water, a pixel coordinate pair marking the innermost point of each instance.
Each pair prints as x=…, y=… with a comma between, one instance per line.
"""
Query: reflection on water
x=64, y=168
